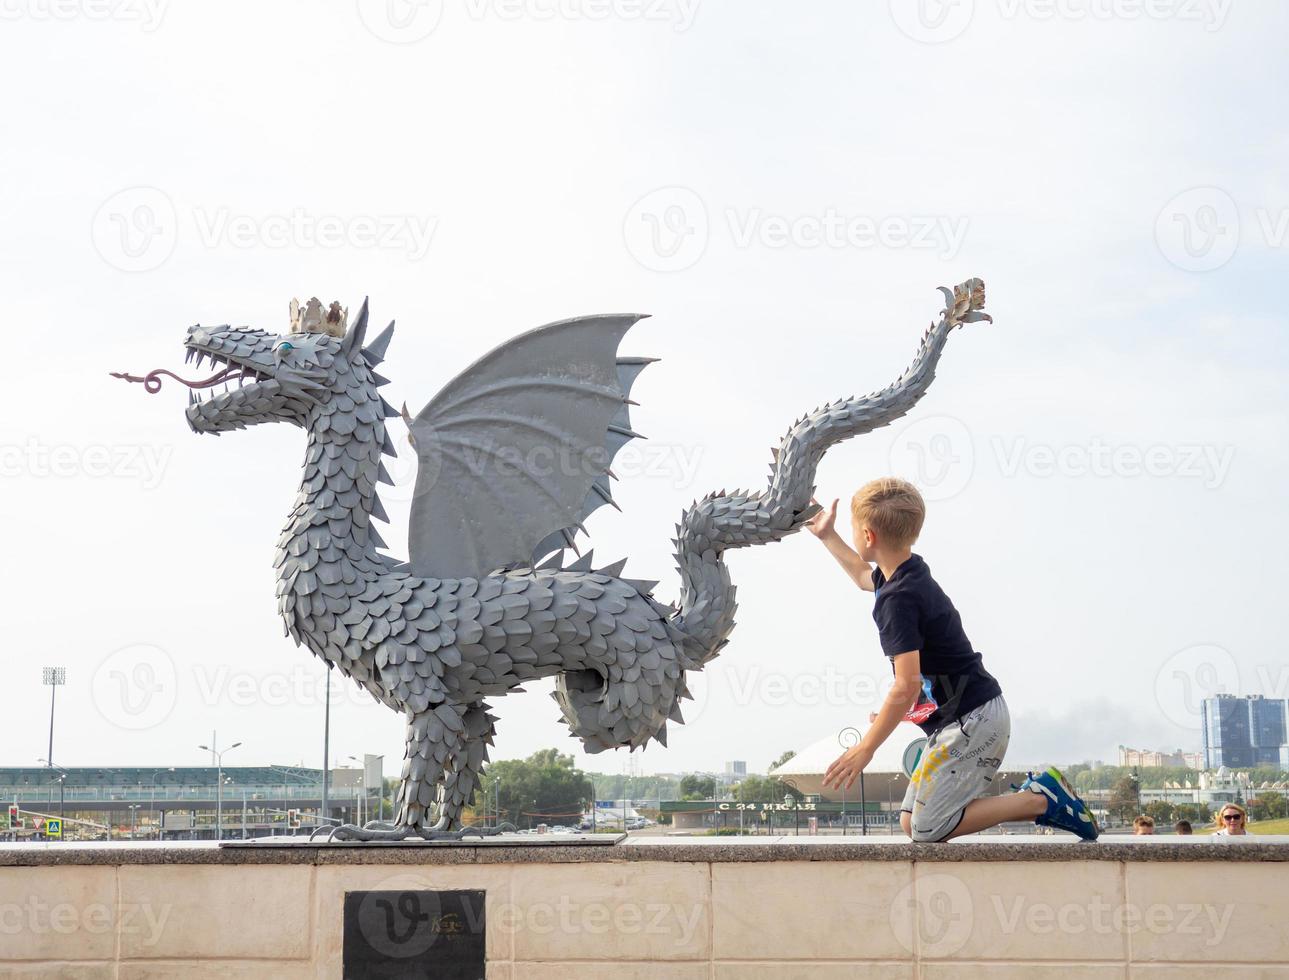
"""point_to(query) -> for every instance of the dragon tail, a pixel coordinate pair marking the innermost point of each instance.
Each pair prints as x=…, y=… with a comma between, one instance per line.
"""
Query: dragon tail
x=721, y=521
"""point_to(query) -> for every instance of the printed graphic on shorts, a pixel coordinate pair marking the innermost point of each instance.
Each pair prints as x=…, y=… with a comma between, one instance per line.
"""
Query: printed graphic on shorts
x=933, y=759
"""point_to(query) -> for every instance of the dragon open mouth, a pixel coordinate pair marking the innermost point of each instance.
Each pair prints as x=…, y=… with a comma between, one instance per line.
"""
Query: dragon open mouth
x=229, y=371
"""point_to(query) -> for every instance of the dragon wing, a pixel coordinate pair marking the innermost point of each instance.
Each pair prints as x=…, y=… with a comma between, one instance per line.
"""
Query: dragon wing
x=514, y=452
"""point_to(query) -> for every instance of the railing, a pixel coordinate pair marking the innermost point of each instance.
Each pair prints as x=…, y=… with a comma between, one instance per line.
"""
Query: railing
x=107, y=794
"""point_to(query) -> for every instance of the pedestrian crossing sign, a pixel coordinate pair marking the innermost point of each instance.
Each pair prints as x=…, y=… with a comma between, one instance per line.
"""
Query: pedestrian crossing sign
x=54, y=827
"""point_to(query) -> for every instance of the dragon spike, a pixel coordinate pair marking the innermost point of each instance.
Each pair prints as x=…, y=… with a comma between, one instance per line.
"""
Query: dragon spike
x=352, y=345
x=389, y=411
x=374, y=352
x=553, y=562
x=379, y=379
x=643, y=586
x=382, y=476
x=378, y=509
x=407, y=419
x=614, y=570
x=583, y=564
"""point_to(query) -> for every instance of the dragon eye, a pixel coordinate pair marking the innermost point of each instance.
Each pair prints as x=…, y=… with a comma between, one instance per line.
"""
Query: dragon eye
x=282, y=349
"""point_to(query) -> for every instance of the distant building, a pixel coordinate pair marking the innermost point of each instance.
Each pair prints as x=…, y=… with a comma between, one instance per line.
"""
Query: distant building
x=735, y=770
x=1148, y=759
x=1243, y=732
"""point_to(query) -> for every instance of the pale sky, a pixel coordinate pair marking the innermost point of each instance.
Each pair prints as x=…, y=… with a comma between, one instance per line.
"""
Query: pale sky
x=782, y=187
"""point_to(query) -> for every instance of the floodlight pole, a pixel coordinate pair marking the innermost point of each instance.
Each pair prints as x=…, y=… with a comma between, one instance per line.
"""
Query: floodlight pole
x=53, y=677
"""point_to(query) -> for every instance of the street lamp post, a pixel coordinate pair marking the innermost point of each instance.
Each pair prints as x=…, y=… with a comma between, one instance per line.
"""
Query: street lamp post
x=61, y=779
x=326, y=743
x=219, y=784
x=53, y=677
x=153, y=800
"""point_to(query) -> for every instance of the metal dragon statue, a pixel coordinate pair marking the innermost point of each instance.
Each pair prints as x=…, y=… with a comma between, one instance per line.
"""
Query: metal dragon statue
x=513, y=454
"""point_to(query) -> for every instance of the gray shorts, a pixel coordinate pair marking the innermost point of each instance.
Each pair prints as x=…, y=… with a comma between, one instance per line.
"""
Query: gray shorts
x=957, y=766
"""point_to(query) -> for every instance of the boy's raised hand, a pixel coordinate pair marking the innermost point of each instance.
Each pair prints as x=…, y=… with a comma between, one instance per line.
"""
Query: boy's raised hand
x=823, y=523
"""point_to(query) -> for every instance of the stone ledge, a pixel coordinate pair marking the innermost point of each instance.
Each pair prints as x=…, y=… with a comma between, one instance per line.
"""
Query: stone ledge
x=678, y=849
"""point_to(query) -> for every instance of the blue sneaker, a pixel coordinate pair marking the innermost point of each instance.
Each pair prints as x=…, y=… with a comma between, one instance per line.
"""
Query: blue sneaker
x=1065, y=810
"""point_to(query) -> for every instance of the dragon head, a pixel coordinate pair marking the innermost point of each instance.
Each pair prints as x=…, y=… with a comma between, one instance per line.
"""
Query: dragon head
x=268, y=377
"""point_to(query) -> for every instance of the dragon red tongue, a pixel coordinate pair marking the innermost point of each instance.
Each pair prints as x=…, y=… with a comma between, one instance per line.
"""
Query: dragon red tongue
x=152, y=380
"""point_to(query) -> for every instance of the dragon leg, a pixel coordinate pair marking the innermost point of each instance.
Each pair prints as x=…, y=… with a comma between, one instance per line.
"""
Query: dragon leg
x=446, y=749
x=465, y=763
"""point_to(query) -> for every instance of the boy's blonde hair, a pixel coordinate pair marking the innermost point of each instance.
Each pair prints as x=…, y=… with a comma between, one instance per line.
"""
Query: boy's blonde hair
x=891, y=507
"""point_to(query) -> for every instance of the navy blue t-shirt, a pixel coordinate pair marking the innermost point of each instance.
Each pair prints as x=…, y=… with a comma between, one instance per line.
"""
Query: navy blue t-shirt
x=913, y=613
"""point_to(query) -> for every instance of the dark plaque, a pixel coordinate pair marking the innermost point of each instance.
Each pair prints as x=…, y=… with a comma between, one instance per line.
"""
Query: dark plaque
x=425, y=935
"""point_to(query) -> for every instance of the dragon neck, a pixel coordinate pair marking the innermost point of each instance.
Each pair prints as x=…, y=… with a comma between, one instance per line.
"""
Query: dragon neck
x=330, y=527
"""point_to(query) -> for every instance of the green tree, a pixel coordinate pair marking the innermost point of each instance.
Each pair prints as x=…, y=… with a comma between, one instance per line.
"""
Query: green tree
x=1161, y=811
x=763, y=789
x=782, y=759
x=1267, y=805
x=696, y=787
x=547, y=787
x=1197, y=813
x=1123, y=799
